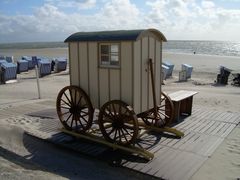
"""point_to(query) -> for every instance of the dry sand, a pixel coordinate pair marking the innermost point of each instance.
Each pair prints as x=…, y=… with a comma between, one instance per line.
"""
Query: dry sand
x=16, y=161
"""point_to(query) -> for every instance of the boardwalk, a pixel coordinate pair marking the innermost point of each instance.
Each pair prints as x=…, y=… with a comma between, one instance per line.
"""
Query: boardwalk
x=173, y=158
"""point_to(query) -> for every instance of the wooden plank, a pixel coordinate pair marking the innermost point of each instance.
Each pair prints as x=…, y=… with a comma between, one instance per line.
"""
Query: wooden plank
x=193, y=164
x=126, y=73
x=74, y=63
x=161, y=162
x=93, y=73
x=103, y=86
x=179, y=165
x=144, y=74
x=151, y=54
x=83, y=66
x=114, y=84
x=137, y=77
x=172, y=160
x=158, y=70
x=180, y=95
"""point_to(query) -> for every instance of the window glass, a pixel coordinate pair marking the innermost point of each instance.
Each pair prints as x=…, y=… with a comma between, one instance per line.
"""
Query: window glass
x=109, y=54
x=104, y=49
x=114, y=48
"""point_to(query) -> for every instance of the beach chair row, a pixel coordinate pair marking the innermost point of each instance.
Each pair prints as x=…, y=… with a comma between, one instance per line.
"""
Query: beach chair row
x=9, y=70
x=184, y=74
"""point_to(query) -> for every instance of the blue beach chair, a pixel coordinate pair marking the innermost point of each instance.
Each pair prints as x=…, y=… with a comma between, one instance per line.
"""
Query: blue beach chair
x=170, y=66
x=22, y=66
x=8, y=72
x=44, y=66
x=60, y=64
x=29, y=60
x=188, y=68
x=9, y=59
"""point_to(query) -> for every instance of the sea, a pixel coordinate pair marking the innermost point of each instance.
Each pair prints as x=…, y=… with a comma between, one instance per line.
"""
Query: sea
x=221, y=48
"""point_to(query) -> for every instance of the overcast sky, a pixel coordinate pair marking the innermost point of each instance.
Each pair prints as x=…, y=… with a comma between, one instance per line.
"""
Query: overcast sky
x=54, y=20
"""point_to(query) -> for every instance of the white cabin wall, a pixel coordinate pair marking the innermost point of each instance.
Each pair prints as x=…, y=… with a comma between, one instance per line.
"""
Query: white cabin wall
x=83, y=66
x=93, y=73
x=114, y=84
x=137, y=83
x=158, y=74
x=103, y=85
x=73, y=54
x=126, y=72
x=152, y=56
x=144, y=74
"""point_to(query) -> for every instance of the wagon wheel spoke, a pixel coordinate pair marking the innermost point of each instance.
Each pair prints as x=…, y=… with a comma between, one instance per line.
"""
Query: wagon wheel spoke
x=70, y=102
x=109, y=133
x=65, y=113
x=110, y=112
x=63, y=107
x=76, y=102
x=68, y=117
x=80, y=122
x=72, y=120
x=71, y=96
x=114, y=110
x=115, y=135
x=124, y=135
x=79, y=101
x=66, y=102
x=165, y=115
x=127, y=131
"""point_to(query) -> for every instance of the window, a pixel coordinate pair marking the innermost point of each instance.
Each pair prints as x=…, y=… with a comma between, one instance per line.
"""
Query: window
x=109, y=54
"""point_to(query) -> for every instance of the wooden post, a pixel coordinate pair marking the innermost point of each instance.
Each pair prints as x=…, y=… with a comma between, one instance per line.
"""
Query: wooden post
x=38, y=85
x=153, y=88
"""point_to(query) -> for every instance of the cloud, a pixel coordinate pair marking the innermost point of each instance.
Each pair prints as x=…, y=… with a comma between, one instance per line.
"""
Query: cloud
x=80, y=4
x=177, y=19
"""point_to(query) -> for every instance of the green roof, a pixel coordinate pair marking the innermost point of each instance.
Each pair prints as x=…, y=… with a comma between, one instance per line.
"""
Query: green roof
x=120, y=35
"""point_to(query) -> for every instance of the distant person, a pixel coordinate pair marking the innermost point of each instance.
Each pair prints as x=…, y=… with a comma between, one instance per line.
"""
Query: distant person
x=194, y=52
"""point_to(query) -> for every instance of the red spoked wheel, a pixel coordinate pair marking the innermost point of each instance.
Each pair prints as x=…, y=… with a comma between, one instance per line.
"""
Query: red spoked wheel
x=74, y=109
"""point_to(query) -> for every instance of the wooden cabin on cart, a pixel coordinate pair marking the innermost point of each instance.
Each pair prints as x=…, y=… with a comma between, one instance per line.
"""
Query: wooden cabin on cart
x=112, y=65
x=119, y=73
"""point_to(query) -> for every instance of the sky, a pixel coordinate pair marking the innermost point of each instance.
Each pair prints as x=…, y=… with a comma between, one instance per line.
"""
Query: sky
x=55, y=20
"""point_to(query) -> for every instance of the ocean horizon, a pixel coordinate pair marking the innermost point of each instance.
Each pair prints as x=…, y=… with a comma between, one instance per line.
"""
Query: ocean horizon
x=220, y=48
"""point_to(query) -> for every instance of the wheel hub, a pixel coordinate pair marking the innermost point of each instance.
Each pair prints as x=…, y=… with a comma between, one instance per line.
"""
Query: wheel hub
x=74, y=110
x=118, y=123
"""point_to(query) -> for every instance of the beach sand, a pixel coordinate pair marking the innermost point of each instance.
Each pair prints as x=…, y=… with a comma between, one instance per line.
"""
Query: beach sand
x=15, y=156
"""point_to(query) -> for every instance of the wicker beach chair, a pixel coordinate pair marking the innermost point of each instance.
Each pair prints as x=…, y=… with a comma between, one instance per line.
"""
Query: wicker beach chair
x=22, y=66
x=60, y=64
x=170, y=66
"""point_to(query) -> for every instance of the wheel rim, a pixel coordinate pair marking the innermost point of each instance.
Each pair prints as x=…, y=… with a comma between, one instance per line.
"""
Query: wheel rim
x=118, y=123
x=165, y=111
x=164, y=115
x=74, y=109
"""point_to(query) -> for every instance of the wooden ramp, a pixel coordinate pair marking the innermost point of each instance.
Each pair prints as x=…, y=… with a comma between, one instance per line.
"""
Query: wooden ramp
x=173, y=158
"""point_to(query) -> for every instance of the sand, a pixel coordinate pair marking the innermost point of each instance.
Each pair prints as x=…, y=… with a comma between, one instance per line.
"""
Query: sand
x=16, y=161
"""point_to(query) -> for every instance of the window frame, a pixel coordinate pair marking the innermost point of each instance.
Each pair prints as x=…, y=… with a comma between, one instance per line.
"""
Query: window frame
x=109, y=65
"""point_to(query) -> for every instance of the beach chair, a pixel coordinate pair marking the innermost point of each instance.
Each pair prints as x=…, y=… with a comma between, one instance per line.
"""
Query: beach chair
x=8, y=72
x=35, y=60
x=2, y=57
x=236, y=79
x=165, y=70
x=170, y=66
x=22, y=66
x=9, y=59
x=188, y=68
x=222, y=78
x=60, y=64
x=44, y=66
x=2, y=61
x=29, y=60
